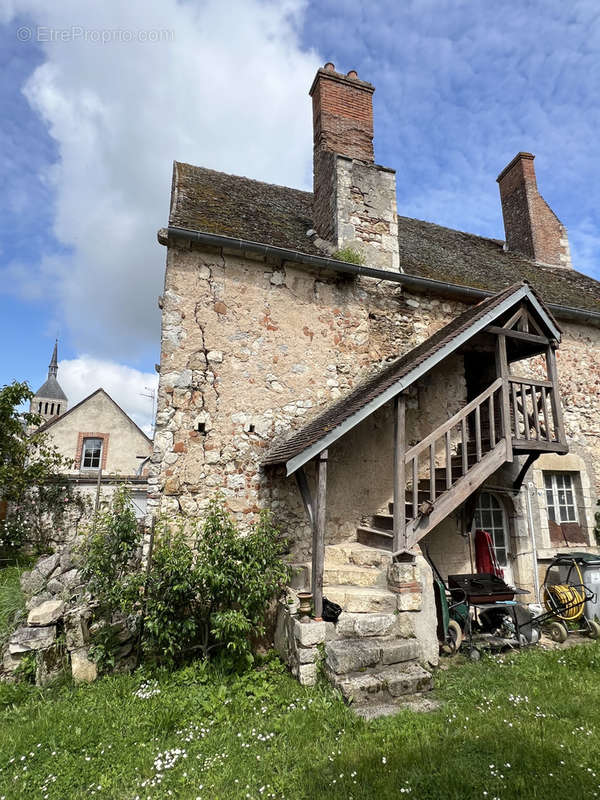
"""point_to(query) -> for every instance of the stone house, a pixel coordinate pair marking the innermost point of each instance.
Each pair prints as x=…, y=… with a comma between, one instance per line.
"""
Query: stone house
x=103, y=443
x=422, y=380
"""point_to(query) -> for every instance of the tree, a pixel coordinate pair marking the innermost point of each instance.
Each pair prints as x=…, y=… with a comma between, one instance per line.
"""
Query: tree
x=34, y=490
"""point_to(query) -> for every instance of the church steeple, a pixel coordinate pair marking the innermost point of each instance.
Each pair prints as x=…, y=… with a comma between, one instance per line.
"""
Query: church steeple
x=53, y=365
x=50, y=401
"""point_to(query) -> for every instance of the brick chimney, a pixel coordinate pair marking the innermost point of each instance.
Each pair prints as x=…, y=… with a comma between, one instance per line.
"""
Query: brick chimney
x=354, y=199
x=530, y=225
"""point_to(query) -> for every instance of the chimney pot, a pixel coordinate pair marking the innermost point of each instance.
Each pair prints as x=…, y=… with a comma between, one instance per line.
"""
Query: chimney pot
x=330, y=66
x=352, y=74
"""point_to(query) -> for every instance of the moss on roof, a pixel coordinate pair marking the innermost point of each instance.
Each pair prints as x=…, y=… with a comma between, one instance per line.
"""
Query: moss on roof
x=214, y=202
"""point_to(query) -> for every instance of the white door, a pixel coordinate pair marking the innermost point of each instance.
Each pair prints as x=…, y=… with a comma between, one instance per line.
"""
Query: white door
x=491, y=517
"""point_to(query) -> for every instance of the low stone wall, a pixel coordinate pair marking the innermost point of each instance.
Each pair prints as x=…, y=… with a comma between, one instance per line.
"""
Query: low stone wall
x=60, y=625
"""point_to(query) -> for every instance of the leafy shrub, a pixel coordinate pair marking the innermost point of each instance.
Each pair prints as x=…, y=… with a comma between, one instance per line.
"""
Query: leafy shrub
x=111, y=552
x=205, y=591
x=211, y=593
x=38, y=497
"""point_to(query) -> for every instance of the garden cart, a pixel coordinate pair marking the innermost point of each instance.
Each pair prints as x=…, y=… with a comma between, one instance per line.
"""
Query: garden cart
x=566, y=602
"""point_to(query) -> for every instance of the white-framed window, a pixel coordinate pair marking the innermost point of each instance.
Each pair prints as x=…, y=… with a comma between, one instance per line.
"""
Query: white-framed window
x=491, y=517
x=91, y=454
x=560, y=497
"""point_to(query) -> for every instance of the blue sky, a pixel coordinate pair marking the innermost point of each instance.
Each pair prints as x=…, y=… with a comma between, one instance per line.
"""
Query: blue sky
x=90, y=129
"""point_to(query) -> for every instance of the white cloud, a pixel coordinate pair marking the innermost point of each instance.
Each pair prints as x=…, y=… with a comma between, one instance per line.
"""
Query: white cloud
x=81, y=376
x=220, y=89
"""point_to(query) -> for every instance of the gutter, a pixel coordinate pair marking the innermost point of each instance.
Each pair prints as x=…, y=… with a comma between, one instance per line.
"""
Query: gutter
x=414, y=282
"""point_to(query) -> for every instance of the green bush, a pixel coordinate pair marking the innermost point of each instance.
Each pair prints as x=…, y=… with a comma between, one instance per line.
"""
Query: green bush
x=210, y=593
x=40, y=501
x=205, y=591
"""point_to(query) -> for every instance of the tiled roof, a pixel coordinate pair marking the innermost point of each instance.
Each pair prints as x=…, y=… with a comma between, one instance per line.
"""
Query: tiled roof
x=50, y=390
x=214, y=202
x=340, y=411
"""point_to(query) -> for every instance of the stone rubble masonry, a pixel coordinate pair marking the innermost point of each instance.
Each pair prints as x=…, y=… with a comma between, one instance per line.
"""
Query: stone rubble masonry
x=47, y=613
x=58, y=624
x=290, y=341
x=530, y=225
x=288, y=349
x=365, y=212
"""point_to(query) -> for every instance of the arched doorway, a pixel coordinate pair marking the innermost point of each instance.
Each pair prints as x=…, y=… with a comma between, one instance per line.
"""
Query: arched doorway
x=490, y=516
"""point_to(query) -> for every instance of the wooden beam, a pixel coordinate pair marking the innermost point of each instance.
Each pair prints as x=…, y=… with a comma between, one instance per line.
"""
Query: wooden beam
x=522, y=336
x=502, y=373
x=318, y=548
x=518, y=482
x=514, y=318
x=400, y=473
x=555, y=394
x=305, y=493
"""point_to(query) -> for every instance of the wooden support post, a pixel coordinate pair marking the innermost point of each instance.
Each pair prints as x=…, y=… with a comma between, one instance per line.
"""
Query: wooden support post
x=555, y=404
x=399, y=474
x=318, y=547
x=502, y=372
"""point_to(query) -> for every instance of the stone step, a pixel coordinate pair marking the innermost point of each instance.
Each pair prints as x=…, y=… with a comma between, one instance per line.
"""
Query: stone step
x=351, y=575
x=353, y=626
x=375, y=537
x=361, y=599
x=351, y=655
x=356, y=553
x=383, y=683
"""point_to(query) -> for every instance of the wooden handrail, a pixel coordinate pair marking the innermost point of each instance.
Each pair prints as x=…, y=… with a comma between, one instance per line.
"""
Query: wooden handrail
x=530, y=381
x=431, y=438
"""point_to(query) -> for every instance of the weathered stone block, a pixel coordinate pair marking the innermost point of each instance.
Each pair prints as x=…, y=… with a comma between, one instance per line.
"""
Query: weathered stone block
x=394, y=651
x=32, y=583
x=409, y=679
x=46, y=614
x=399, y=574
x=349, y=655
x=25, y=639
x=410, y=598
x=307, y=674
x=37, y=600
x=71, y=578
x=359, y=625
x=54, y=586
x=82, y=669
x=50, y=665
x=46, y=566
x=309, y=634
x=307, y=655
x=76, y=630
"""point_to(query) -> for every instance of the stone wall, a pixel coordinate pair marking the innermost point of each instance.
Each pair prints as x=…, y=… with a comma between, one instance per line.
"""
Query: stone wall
x=250, y=351
x=60, y=624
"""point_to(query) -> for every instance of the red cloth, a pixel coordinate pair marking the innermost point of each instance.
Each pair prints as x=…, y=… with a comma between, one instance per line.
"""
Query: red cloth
x=485, y=555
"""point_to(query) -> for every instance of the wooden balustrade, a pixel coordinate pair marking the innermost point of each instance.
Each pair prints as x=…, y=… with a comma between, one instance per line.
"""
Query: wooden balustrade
x=533, y=417
x=432, y=458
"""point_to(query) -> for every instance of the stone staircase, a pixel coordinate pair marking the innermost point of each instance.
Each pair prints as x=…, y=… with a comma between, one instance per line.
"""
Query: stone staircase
x=373, y=659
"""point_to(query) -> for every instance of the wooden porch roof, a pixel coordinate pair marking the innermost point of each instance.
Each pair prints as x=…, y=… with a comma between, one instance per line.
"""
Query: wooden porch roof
x=344, y=414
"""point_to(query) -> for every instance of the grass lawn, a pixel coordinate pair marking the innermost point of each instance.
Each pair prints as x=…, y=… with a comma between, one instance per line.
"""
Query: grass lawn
x=523, y=728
